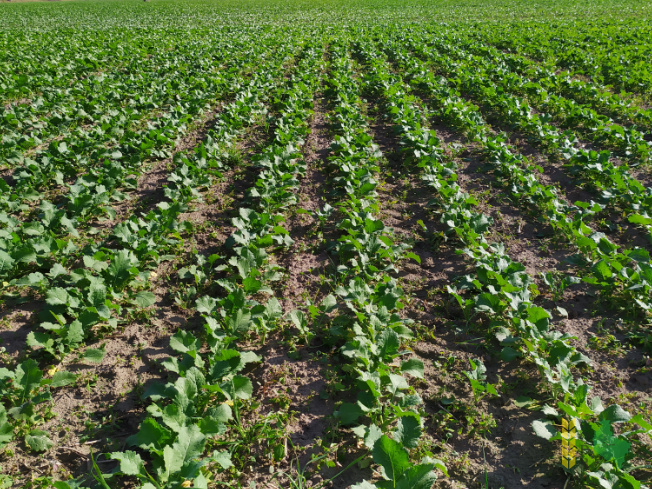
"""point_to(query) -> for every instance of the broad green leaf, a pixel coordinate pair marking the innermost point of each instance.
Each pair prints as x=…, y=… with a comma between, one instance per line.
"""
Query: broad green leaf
x=392, y=457
x=223, y=458
x=608, y=446
x=61, y=378
x=408, y=430
x=144, y=299
x=348, y=413
x=75, y=333
x=642, y=422
x=413, y=256
x=369, y=434
x=615, y=414
x=6, y=429
x=414, y=367
x=507, y=354
x=120, y=269
x=38, y=441
x=130, y=462
x=239, y=388
x=94, y=355
x=151, y=435
x=97, y=294
x=189, y=445
x=6, y=261
x=602, y=270
x=183, y=341
x=639, y=219
x=418, y=477
x=523, y=402
x=57, y=296
x=28, y=376
x=364, y=485
x=544, y=429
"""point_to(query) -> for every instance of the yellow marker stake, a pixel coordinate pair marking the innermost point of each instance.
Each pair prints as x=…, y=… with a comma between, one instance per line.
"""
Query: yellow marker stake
x=568, y=439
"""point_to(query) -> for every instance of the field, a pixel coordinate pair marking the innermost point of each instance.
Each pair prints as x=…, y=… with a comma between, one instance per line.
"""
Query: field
x=342, y=244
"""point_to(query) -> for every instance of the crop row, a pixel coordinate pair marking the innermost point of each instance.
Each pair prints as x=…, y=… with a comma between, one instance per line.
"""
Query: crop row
x=626, y=273
x=111, y=277
x=613, y=181
x=201, y=408
x=500, y=289
x=366, y=325
x=608, y=53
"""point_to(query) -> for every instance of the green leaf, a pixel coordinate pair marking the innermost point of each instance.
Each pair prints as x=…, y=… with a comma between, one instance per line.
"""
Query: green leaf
x=75, y=334
x=414, y=256
x=642, y=422
x=602, y=270
x=130, y=463
x=56, y=296
x=223, y=459
x=608, y=446
x=120, y=268
x=144, y=299
x=615, y=414
x=151, y=435
x=6, y=261
x=639, y=219
x=6, y=429
x=328, y=304
x=414, y=367
x=189, y=445
x=418, y=477
x=507, y=354
x=408, y=430
x=28, y=376
x=348, y=413
x=38, y=441
x=544, y=429
x=251, y=285
x=214, y=420
x=392, y=457
x=523, y=402
x=239, y=322
x=370, y=434
x=94, y=355
x=97, y=294
x=61, y=378
x=364, y=485
x=240, y=387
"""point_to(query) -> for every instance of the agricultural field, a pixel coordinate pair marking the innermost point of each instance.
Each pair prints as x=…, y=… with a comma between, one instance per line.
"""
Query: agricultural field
x=338, y=244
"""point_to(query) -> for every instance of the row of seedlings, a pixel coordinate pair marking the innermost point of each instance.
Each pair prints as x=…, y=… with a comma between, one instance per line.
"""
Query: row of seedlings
x=137, y=86
x=585, y=120
x=364, y=314
x=203, y=409
x=547, y=80
x=501, y=290
x=50, y=232
x=614, y=182
x=606, y=54
x=111, y=278
x=626, y=274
